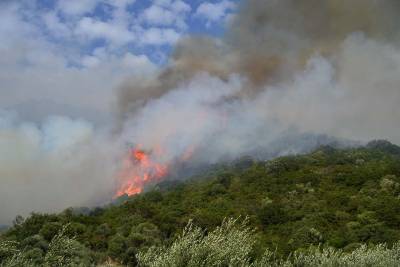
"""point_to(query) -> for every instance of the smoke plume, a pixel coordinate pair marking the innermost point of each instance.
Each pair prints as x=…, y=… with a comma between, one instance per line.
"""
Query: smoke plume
x=268, y=41
x=321, y=67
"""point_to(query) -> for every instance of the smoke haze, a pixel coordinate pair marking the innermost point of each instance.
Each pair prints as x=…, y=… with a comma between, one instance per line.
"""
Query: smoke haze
x=320, y=67
x=43, y=168
x=287, y=67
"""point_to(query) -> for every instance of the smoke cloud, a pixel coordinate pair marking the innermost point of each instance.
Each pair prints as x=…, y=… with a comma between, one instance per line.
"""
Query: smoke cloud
x=52, y=166
x=268, y=41
x=285, y=68
x=320, y=67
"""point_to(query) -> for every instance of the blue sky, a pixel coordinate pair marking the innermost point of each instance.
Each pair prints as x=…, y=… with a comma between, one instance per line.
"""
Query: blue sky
x=67, y=57
x=138, y=26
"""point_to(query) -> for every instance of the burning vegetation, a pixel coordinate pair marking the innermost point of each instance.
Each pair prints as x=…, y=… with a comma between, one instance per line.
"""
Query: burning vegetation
x=139, y=169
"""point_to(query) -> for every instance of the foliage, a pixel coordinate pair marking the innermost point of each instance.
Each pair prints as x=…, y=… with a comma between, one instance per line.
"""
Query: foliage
x=64, y=251
x=228, y=245
x=338, y=198
x=61, y=251
x=231, y=244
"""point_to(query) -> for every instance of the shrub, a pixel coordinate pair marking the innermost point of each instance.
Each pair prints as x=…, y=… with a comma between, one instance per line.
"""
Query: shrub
x=65, y=251
x=232, y=243
x=228, y=245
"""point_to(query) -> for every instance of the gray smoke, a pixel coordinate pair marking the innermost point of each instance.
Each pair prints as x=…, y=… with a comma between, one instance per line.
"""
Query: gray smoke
x=305, y=66
x=267, y=42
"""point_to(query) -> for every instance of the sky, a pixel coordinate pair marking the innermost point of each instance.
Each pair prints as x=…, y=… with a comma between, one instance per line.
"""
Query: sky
x=67, y=57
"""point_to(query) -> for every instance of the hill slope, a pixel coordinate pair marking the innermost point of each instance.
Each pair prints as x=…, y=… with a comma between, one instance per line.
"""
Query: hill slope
x=338, y=198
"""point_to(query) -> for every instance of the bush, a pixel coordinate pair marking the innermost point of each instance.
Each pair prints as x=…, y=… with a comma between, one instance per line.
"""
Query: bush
x=378, y=256
x=272, y=214
x=64, y=251
x=7, y=249
x=117, y=246
x=50, y=229
x=228, y=245
x=232, y=244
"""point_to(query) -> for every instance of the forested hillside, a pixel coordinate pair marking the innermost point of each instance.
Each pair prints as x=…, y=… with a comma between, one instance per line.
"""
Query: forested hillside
x=338, y=198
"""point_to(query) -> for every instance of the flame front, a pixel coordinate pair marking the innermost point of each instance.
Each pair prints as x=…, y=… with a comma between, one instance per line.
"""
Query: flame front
x=138, y=170
x=149, y=163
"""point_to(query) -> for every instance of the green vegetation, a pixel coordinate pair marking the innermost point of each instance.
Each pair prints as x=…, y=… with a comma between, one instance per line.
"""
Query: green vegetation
x=231, y=244
x=329, y=207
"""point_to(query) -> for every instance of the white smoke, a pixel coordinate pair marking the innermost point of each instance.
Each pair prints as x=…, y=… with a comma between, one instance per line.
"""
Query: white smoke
x=352, y=95
x=52, y=166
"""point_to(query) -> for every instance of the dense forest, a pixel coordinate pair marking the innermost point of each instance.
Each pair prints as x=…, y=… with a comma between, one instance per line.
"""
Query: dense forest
x=328, y=201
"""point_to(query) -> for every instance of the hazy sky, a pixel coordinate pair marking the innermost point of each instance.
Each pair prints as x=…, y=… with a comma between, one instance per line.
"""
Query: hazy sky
x=65, y=57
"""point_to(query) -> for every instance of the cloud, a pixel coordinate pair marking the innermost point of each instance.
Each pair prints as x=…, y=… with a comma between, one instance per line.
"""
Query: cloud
x=157, y=15
x=160, y=36
x=76, y=7
x=55, y=26
x=93, y=29
x=40, y=77
x=215, y=12
x=74, y=91
x=167, y=13
x=120, y=3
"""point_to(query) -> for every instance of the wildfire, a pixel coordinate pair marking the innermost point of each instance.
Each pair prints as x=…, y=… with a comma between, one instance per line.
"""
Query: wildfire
x=138, y=170
x=143, y=167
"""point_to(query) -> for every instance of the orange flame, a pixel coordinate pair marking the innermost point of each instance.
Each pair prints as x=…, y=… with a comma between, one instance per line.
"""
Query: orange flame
x=138, y=170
